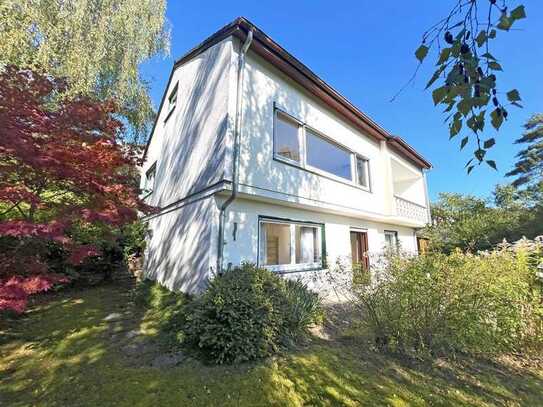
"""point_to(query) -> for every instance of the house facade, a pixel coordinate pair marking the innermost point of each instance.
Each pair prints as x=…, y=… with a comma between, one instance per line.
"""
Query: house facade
x=254, y=158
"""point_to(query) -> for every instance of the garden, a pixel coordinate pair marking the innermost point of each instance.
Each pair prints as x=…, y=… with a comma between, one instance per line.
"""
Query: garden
x=460, y=324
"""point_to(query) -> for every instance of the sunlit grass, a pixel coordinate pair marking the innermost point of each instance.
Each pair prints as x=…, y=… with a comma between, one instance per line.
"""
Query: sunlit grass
x=63, y=353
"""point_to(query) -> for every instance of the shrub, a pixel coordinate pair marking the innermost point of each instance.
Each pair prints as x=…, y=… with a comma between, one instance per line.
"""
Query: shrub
x=303, y=308
x=249, y=313
x=436, y=303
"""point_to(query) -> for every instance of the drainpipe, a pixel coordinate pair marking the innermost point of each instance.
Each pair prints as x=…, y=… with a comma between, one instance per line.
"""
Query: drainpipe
x=235, y=163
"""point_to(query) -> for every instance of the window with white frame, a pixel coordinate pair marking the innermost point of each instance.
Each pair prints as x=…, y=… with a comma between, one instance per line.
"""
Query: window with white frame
x=289, y=246
x=149, y=181
x=362, y=172
x=172, y=101
x=298, y=144
x=286, y=137
x=391, y=240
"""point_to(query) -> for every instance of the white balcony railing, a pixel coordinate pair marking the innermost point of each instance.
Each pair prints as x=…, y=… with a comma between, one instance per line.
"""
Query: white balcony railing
x=411, y=210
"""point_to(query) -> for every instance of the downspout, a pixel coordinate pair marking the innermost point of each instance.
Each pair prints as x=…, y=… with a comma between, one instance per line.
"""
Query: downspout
x=235, y=163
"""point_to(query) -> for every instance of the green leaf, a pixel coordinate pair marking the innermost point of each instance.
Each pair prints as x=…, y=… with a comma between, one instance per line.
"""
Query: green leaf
x=464, y=106
x=435, y=76
x=516, y=104
x=518, y=13
x=492, y=164
x=421, y=52
x=497, y=118
x=492, y=34
x=481, y=38
x=495, y=66
x=505, y=23
x=455, y=127
x=439, y=94
x=489, y=143
x=488, y=55
x=470, y=168
x=513, y=96
x=464, y=142
x=443, y=55
x=480, y=154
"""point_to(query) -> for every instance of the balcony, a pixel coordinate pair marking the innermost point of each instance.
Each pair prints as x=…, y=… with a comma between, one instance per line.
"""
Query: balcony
x=409, y=193
x=411, y=210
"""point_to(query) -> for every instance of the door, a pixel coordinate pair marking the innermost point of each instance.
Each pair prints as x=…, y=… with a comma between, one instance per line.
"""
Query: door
x=359, y=250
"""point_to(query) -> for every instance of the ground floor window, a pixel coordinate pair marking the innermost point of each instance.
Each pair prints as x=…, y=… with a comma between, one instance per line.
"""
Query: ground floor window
x=391, y=240
x=290, y=245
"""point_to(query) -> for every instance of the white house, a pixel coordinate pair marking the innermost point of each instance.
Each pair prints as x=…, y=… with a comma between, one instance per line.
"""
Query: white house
x=254, y=158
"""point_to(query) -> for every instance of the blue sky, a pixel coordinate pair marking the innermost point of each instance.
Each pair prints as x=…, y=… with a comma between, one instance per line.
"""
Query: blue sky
x=364, y=49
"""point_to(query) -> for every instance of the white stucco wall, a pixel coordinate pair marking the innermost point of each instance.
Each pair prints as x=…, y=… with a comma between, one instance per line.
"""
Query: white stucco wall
x=259, y=172
x=181, y=248
x=246, y=212
x=189, y=148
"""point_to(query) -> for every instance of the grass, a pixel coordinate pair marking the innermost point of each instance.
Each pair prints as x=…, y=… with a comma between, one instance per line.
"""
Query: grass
x=63, y=353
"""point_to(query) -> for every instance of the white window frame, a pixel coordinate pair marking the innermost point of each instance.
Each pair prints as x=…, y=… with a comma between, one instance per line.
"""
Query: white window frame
x=172, y=104
x=302, y=143
x=152, y=169
x=301, y=146
x=368, y=176
x=396, y=239
x=293, y=266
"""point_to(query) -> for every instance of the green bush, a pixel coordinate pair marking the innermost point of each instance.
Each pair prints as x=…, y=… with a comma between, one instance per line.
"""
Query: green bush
x=435, y=303
x=249, y=313
x=303, y=308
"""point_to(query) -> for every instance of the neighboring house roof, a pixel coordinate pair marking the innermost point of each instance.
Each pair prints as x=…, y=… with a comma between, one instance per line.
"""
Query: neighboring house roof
x=276, y=55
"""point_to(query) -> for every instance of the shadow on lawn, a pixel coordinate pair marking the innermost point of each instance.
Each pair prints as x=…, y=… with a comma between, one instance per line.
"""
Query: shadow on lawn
x=72, y=350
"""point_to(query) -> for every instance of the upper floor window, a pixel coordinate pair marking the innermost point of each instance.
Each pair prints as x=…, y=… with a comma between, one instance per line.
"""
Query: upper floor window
x=362, y=172
x=327, y=156
x=149, y=181
x=286, y=137
x=172, y=101
x=296, y=143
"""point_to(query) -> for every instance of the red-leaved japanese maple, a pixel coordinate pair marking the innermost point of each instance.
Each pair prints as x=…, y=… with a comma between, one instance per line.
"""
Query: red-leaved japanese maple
x=61, y=164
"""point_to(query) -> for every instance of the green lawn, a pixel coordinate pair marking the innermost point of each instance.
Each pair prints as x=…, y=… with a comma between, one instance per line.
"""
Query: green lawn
x=63, y=353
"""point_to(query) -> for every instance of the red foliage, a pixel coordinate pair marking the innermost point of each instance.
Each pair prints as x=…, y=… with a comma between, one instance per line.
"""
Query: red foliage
x=61, y=163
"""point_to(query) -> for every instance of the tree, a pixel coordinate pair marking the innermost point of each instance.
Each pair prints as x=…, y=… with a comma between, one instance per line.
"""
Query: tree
x=465, y=222
x=62, y=170
x=471, y=224
x=97, y=45
x=528, y=169
x=465, y=81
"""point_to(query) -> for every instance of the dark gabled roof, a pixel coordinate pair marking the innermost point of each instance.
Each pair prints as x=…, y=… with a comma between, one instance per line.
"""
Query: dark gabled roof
x=276, y=55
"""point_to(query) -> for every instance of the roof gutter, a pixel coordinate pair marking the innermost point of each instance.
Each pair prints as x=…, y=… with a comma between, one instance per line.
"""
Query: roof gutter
x=237, y=139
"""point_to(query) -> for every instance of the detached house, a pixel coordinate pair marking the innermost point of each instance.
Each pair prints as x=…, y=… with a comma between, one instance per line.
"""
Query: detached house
x=254, y=158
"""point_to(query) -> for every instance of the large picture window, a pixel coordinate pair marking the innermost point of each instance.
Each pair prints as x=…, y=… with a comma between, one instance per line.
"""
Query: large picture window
x=327, y=156
x=299, y=145
x=290, y=246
